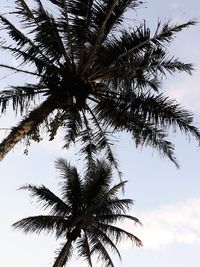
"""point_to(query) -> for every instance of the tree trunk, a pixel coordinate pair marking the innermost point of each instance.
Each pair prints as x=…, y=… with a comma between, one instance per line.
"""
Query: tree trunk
x=34, y=118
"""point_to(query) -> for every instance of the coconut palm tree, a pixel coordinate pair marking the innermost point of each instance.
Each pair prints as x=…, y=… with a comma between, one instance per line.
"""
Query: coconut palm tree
x=85, y=216
x=95, y=76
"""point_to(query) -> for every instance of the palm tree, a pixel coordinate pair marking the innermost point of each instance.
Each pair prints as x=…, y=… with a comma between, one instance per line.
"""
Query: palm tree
x=94, y=76
x=85, y=216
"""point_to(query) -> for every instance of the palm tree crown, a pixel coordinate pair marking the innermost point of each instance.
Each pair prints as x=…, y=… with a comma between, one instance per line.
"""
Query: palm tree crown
x=85, y=216
x=95, y=76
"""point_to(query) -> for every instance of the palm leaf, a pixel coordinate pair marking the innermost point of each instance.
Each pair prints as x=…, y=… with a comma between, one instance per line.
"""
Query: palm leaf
x=64, y=254
x=73, y=126
x=99, y=250
x=114, y=217
x=119, y=233
x=46, y=223
x=21, y=39
x=163, y=34
x=47, y=199
x=100, y=235
x=24, y=12
x=48, y=36
x=103, y=141
x=83, y=247
x=143, y=131
x=97, y=182
x=71, y=185
x=114, y=205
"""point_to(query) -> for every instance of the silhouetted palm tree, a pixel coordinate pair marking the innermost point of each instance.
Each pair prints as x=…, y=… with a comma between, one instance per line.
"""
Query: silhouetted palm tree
x=85, y=216
x=96, y=76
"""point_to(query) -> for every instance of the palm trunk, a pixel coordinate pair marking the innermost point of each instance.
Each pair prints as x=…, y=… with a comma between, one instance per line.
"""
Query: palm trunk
x=34, y=118
x=63, y=255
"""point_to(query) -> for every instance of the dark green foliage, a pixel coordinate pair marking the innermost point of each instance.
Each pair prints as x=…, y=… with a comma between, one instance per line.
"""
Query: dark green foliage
x=104, y=79
x=85, y=215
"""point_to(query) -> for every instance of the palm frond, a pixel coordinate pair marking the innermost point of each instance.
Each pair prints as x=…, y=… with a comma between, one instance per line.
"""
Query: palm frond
x=97, y=181
x=114, y=205
x=64, y=254
x=73, y=125
x=24, y=12
x=27, y=57
x=43, y=223
x=143, y=70
x=20, y=97
x=141, y=38
x=105, y=202
x=103, y=141
x=119, y=234
x=64, y=28
x=156, y=138
x=114, y=190
x=47, y=36
x=71, y=185
x=101, y=252
x=143, y=131
x=84, y=251
x=100, y=235
x=20, y=70
x=47, y=199
x=117, y=16
x=87, y=139
x=114, y=217
x=21, y=39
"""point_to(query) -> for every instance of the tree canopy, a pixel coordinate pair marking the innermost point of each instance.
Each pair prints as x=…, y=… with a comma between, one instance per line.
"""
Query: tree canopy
x=85, y=215
x=95, y=76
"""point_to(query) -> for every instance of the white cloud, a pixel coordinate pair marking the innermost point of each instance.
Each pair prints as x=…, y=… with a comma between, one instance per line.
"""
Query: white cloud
x=187, y=92
x=178, y=223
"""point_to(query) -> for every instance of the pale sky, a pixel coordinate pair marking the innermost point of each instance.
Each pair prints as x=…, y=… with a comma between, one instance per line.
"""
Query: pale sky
x=167, y=200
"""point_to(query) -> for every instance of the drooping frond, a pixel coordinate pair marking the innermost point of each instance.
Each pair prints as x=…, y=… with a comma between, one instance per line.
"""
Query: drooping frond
x=89, y=142
x=84, y=250
x=99, y=249
x=20, y=97
x=113, y=218
x=119, y=234
x=143, y=131
x=73, y=125
x=64, y=254
x=46, y=223
x=106, y=241
x=103, y=141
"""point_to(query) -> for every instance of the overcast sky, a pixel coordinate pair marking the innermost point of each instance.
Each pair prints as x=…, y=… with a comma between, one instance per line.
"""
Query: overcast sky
x=167, y=200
